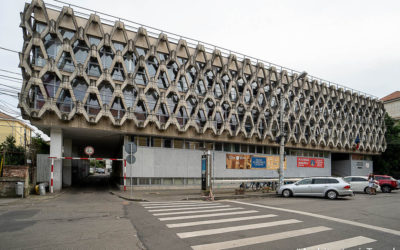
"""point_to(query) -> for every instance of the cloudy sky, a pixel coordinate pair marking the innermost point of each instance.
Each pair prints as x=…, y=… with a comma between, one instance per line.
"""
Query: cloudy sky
x=352, y=43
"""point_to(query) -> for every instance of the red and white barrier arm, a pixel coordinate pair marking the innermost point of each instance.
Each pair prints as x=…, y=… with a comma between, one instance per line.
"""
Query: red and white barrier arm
x=125, y=175
x=52, y=176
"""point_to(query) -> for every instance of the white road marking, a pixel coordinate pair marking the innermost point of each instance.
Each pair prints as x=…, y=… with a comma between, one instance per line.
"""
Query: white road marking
x=188, y=208
x=185, y=205
x=353, y=223
x=173, y=202
x=260, y=239
x=235, y=228
x=200, y=211
x=206, y=222
x=206, y=215
x=342, y=244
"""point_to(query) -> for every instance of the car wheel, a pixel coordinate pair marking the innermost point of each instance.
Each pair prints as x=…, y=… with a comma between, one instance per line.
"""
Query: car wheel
x=331, y=195
x=386, y=189
x=286, y=193
x=366, y=190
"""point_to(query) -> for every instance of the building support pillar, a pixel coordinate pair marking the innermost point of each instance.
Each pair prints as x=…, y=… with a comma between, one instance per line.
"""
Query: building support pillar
x=67, y=164
x=56, y=143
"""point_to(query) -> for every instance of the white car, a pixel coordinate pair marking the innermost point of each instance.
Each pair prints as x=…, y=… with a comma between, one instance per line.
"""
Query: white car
x=360, y=183
x=330, y=187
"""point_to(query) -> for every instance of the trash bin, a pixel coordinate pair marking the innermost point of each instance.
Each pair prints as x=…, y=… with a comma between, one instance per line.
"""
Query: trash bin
x=19, y=188
x=42, y=189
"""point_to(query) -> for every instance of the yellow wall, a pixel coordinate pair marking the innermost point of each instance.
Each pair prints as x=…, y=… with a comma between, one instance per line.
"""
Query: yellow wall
x=15, y=129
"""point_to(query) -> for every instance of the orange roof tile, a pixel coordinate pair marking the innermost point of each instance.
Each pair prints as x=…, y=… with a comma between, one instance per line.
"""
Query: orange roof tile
x=392, y=96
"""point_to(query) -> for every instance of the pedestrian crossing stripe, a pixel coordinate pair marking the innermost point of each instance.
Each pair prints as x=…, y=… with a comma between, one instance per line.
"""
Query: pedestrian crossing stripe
x=179, y=205
x=207, y=222
x=236, y=228
x=200, y=211
x=260, y=239
x=206, y=215
x=342, y=244
x=185, y=208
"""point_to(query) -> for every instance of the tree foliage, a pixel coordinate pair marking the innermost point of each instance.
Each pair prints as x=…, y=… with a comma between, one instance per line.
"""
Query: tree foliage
x=389, y=161
x=15, y=155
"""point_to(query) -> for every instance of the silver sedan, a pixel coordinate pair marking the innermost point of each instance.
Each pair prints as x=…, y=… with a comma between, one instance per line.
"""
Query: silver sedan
x=330, y=187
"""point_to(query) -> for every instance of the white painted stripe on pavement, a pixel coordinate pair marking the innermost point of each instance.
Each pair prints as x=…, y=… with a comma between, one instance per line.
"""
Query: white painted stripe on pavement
x=185, y=205
x=349, y=222
x=236, y=228
x=200, y=211
x=342, y=244
x=206, y=215
x=187, y=208
x=260, y=239
x=171, y=202
x=206, y=222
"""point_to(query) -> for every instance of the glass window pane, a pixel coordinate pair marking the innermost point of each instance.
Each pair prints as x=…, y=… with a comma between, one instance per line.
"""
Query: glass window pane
x=142, y=141
x=167, y=143
x=243, y=148
x=178, y=143
x=236, y=147
x=252, y=149
x=218, y=146
x=157, y=142
x=227, y=147
x=209, y=145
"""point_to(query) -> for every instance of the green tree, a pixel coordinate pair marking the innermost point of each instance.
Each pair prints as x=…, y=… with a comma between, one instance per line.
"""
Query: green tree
x=15, y=155
x=389, y=161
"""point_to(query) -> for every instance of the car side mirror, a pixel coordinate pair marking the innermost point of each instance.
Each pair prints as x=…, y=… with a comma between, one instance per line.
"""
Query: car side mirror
x=296, y=184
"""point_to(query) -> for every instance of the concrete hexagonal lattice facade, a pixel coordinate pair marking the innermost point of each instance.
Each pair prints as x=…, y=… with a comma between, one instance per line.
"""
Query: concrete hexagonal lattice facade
x=84, y=68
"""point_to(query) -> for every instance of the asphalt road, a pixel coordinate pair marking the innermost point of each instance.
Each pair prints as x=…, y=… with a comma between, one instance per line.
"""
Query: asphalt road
x=83, y=217
x=89, y=217
x=360, y=222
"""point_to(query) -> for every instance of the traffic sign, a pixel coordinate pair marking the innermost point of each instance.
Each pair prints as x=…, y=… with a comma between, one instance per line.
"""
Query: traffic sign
x=89, y=150
x=131, y=148
x=130, y=159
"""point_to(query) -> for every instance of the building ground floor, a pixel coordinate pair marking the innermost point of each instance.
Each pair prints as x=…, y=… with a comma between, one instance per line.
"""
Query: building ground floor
x=163, y=162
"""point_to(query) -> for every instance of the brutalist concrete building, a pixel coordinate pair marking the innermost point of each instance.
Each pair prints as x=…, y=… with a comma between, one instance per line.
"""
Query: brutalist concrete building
x=103, y=82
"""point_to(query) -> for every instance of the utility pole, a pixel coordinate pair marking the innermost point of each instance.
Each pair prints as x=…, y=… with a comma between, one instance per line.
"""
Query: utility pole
x=282, y=129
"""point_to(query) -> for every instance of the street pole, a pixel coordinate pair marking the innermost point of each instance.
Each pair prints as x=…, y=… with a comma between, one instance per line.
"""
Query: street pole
x=282, y=142
x=283, y=134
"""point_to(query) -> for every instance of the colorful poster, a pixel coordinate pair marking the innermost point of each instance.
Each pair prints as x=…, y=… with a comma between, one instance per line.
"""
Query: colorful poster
x=236, y=161
x=273, y=163
x=258, y=162
x=305, y=162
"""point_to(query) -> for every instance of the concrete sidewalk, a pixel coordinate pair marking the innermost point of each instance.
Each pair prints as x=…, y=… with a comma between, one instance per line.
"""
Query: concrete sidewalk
x=186, y=194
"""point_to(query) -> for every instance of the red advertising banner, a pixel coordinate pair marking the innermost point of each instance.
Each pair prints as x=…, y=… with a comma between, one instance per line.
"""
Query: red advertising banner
x=305, y=162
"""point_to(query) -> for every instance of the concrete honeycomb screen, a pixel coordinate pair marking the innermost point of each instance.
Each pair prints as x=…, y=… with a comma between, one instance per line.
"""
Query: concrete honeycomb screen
x=89, y=69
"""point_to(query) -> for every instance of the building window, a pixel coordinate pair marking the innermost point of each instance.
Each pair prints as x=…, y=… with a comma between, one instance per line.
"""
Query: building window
x=81, y=51
x=157, y=142
x=259, y=149
x=52, y=45
x=65, y=63
x=243, y=148
x=51, y=83
x=79, y=86
x=236, y=148
x=218, y=146
x=227, y=147
x=167, y=143
x=178, y=143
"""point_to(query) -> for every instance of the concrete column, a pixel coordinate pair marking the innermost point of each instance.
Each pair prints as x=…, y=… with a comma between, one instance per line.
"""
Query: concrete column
x=67, y=164
x=56, y=143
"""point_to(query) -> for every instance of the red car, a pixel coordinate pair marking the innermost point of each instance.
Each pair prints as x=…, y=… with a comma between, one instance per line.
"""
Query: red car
x=387, y=183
